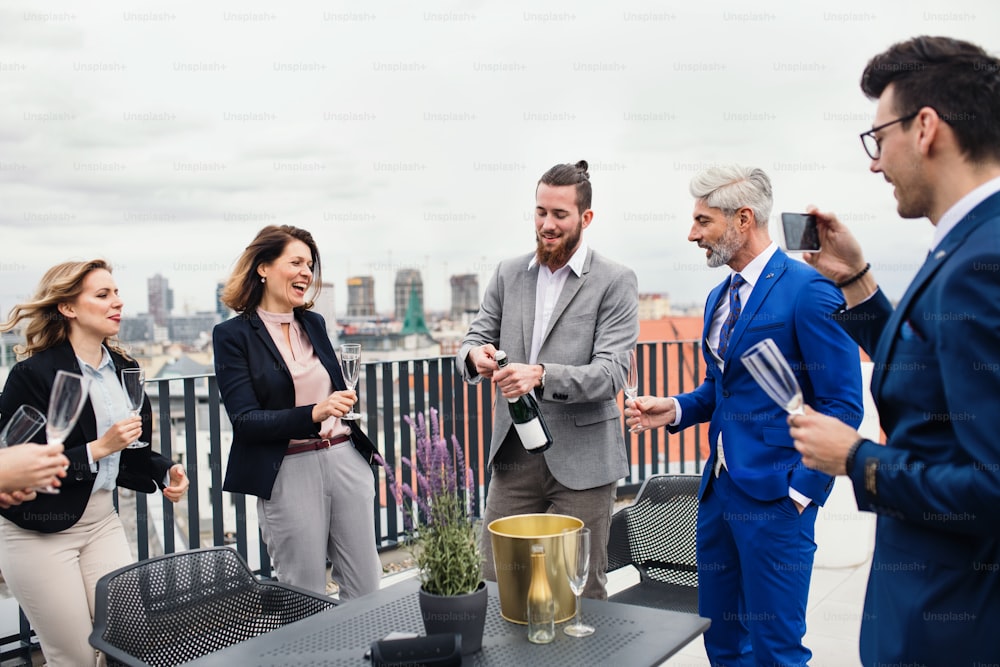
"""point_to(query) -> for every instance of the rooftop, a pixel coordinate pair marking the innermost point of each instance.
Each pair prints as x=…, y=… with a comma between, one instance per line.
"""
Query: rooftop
x=844, y=537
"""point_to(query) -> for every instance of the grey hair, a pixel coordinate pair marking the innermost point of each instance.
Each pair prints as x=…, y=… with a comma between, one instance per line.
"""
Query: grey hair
x=732, y=187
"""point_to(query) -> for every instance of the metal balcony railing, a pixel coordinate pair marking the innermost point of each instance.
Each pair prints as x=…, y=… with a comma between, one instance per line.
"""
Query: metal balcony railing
x=191, y=426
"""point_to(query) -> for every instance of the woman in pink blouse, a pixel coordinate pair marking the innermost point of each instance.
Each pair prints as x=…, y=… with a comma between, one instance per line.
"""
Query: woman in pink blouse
x=283, y=389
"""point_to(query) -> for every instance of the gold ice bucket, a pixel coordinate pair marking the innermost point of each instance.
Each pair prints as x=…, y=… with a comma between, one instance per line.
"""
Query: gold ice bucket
x=512, y=539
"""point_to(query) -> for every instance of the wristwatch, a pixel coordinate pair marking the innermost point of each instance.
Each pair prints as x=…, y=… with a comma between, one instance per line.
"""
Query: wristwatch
x=541, y=381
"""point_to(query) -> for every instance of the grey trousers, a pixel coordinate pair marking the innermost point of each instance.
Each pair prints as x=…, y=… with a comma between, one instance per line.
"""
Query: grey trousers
x=522, y=484
x=321, y=507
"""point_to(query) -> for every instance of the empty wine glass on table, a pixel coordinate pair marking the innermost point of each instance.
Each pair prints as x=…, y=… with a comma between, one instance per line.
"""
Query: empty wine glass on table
x=133, y=383
x=771, y=371
x=69, y=393
x=25, y=422
x=350, y=364
x=628, y=368
x=576, y=558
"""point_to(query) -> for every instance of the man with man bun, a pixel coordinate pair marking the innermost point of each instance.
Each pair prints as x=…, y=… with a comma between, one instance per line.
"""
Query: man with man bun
x=564, y=314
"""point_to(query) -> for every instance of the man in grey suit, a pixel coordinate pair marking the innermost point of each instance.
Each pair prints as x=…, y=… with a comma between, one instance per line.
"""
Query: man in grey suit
x=564, y=315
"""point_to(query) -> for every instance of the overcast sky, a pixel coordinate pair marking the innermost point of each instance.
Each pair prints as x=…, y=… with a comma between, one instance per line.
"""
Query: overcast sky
x=162, y=136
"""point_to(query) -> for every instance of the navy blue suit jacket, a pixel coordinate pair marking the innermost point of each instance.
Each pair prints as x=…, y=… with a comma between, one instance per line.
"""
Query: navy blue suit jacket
x=934, y=589
x=259, y=396
x=793, y=304
x=30, y=383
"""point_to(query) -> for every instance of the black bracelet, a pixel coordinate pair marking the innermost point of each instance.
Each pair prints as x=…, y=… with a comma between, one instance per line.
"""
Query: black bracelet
x=852, y=454
x=855, y=278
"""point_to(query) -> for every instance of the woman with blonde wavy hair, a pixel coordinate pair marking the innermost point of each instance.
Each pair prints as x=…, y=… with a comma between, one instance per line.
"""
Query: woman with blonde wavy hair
x=54, y=548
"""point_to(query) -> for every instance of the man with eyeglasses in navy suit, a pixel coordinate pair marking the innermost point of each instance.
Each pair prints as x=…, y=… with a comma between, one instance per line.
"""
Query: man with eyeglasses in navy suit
x=934, y=590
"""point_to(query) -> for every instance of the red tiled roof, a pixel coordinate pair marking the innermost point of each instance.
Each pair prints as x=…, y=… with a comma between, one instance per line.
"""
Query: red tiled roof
x=686, y=327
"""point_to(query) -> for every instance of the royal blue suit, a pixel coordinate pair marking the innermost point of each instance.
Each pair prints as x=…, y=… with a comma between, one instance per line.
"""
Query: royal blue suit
x=754, y=548
x=934, y=589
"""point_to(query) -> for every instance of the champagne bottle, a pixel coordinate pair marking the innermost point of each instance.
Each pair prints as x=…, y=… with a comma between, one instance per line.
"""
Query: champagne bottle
x=541, y=604
x=527, y=418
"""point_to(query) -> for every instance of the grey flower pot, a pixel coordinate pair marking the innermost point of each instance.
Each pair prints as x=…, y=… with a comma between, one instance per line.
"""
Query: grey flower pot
x=456, y=613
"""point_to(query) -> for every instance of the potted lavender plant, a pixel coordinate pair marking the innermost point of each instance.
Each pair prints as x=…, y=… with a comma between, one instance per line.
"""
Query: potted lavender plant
x=452, y=592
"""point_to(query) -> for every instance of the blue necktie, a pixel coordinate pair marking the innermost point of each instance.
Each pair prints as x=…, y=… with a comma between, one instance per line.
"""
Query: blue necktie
x=735, y=307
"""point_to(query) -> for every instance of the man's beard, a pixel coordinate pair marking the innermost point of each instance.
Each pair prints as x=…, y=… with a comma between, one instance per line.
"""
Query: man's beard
x=912, y=200
x=557, y=256
x=725, y=248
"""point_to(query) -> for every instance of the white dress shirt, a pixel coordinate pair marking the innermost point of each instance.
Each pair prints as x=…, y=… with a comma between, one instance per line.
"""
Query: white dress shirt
x=108, y=399
x=550, y=285
x=751, y=274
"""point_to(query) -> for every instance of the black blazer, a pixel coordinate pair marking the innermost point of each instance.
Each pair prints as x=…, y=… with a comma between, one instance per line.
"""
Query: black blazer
x=259, y=396
x=29, y=383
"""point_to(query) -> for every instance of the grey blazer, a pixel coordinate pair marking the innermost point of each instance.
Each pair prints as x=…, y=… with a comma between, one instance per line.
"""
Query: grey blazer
x=595, y=319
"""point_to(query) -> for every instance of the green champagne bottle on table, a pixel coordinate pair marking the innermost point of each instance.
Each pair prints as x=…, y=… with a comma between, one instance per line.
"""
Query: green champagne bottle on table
x=527, y=418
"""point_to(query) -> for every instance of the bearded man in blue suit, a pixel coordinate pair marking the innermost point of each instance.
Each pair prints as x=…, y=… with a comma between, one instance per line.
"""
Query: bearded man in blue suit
x=758, y=503
x=934, y=590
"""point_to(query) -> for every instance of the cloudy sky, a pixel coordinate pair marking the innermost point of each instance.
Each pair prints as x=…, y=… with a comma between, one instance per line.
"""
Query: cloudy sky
x=162, y=136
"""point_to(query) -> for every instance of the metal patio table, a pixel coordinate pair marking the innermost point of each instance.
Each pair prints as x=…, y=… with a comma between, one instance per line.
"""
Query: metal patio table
x=626, y=635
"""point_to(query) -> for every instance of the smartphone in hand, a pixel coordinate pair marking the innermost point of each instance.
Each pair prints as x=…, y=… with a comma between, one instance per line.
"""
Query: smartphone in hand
x=800, y=232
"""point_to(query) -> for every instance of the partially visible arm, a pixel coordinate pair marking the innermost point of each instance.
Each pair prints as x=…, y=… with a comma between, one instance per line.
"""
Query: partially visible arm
x=949, y=477
x=841, y=259
x=28, y=466
x=25, y=387
x=8, y=500
x=647, y=412
x=697, y=407
x=142, y=469
x=961, y=492
x=483, y=335
x=866, y=322
x=178, y=485
x=832, y=362
x=833, y=369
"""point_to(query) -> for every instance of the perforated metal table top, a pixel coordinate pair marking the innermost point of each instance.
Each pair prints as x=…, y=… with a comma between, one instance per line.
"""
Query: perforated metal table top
x=626, y=635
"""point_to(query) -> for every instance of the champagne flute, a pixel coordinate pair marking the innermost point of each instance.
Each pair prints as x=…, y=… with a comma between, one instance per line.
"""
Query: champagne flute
x=576, y=558
x=25, y=422
x=133, y=383
x=69, y=393
x=350, y=363
x=628, y=368
x=771, y=371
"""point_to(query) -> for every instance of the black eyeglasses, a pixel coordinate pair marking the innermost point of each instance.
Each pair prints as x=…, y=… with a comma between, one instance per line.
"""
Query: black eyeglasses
x=872, y=144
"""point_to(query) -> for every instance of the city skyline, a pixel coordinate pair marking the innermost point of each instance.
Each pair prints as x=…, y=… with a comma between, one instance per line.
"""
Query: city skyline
x=409, y=136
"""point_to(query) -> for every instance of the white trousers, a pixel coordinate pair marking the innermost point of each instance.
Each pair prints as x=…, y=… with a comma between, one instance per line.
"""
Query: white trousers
x=54, y=577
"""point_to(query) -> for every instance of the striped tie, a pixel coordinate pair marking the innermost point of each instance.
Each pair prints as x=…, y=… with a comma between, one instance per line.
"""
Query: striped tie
x=735, y=307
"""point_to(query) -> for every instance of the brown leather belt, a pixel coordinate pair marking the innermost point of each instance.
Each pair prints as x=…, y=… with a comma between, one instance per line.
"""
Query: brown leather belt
x=313, y=445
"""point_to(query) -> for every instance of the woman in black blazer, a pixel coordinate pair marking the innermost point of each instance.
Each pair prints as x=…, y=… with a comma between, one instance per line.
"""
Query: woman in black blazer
x=53, y=549
x=283, y=389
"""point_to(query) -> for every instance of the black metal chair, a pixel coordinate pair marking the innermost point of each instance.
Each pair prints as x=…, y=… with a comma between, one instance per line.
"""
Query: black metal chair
x=656, y=534
x=171, y=609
